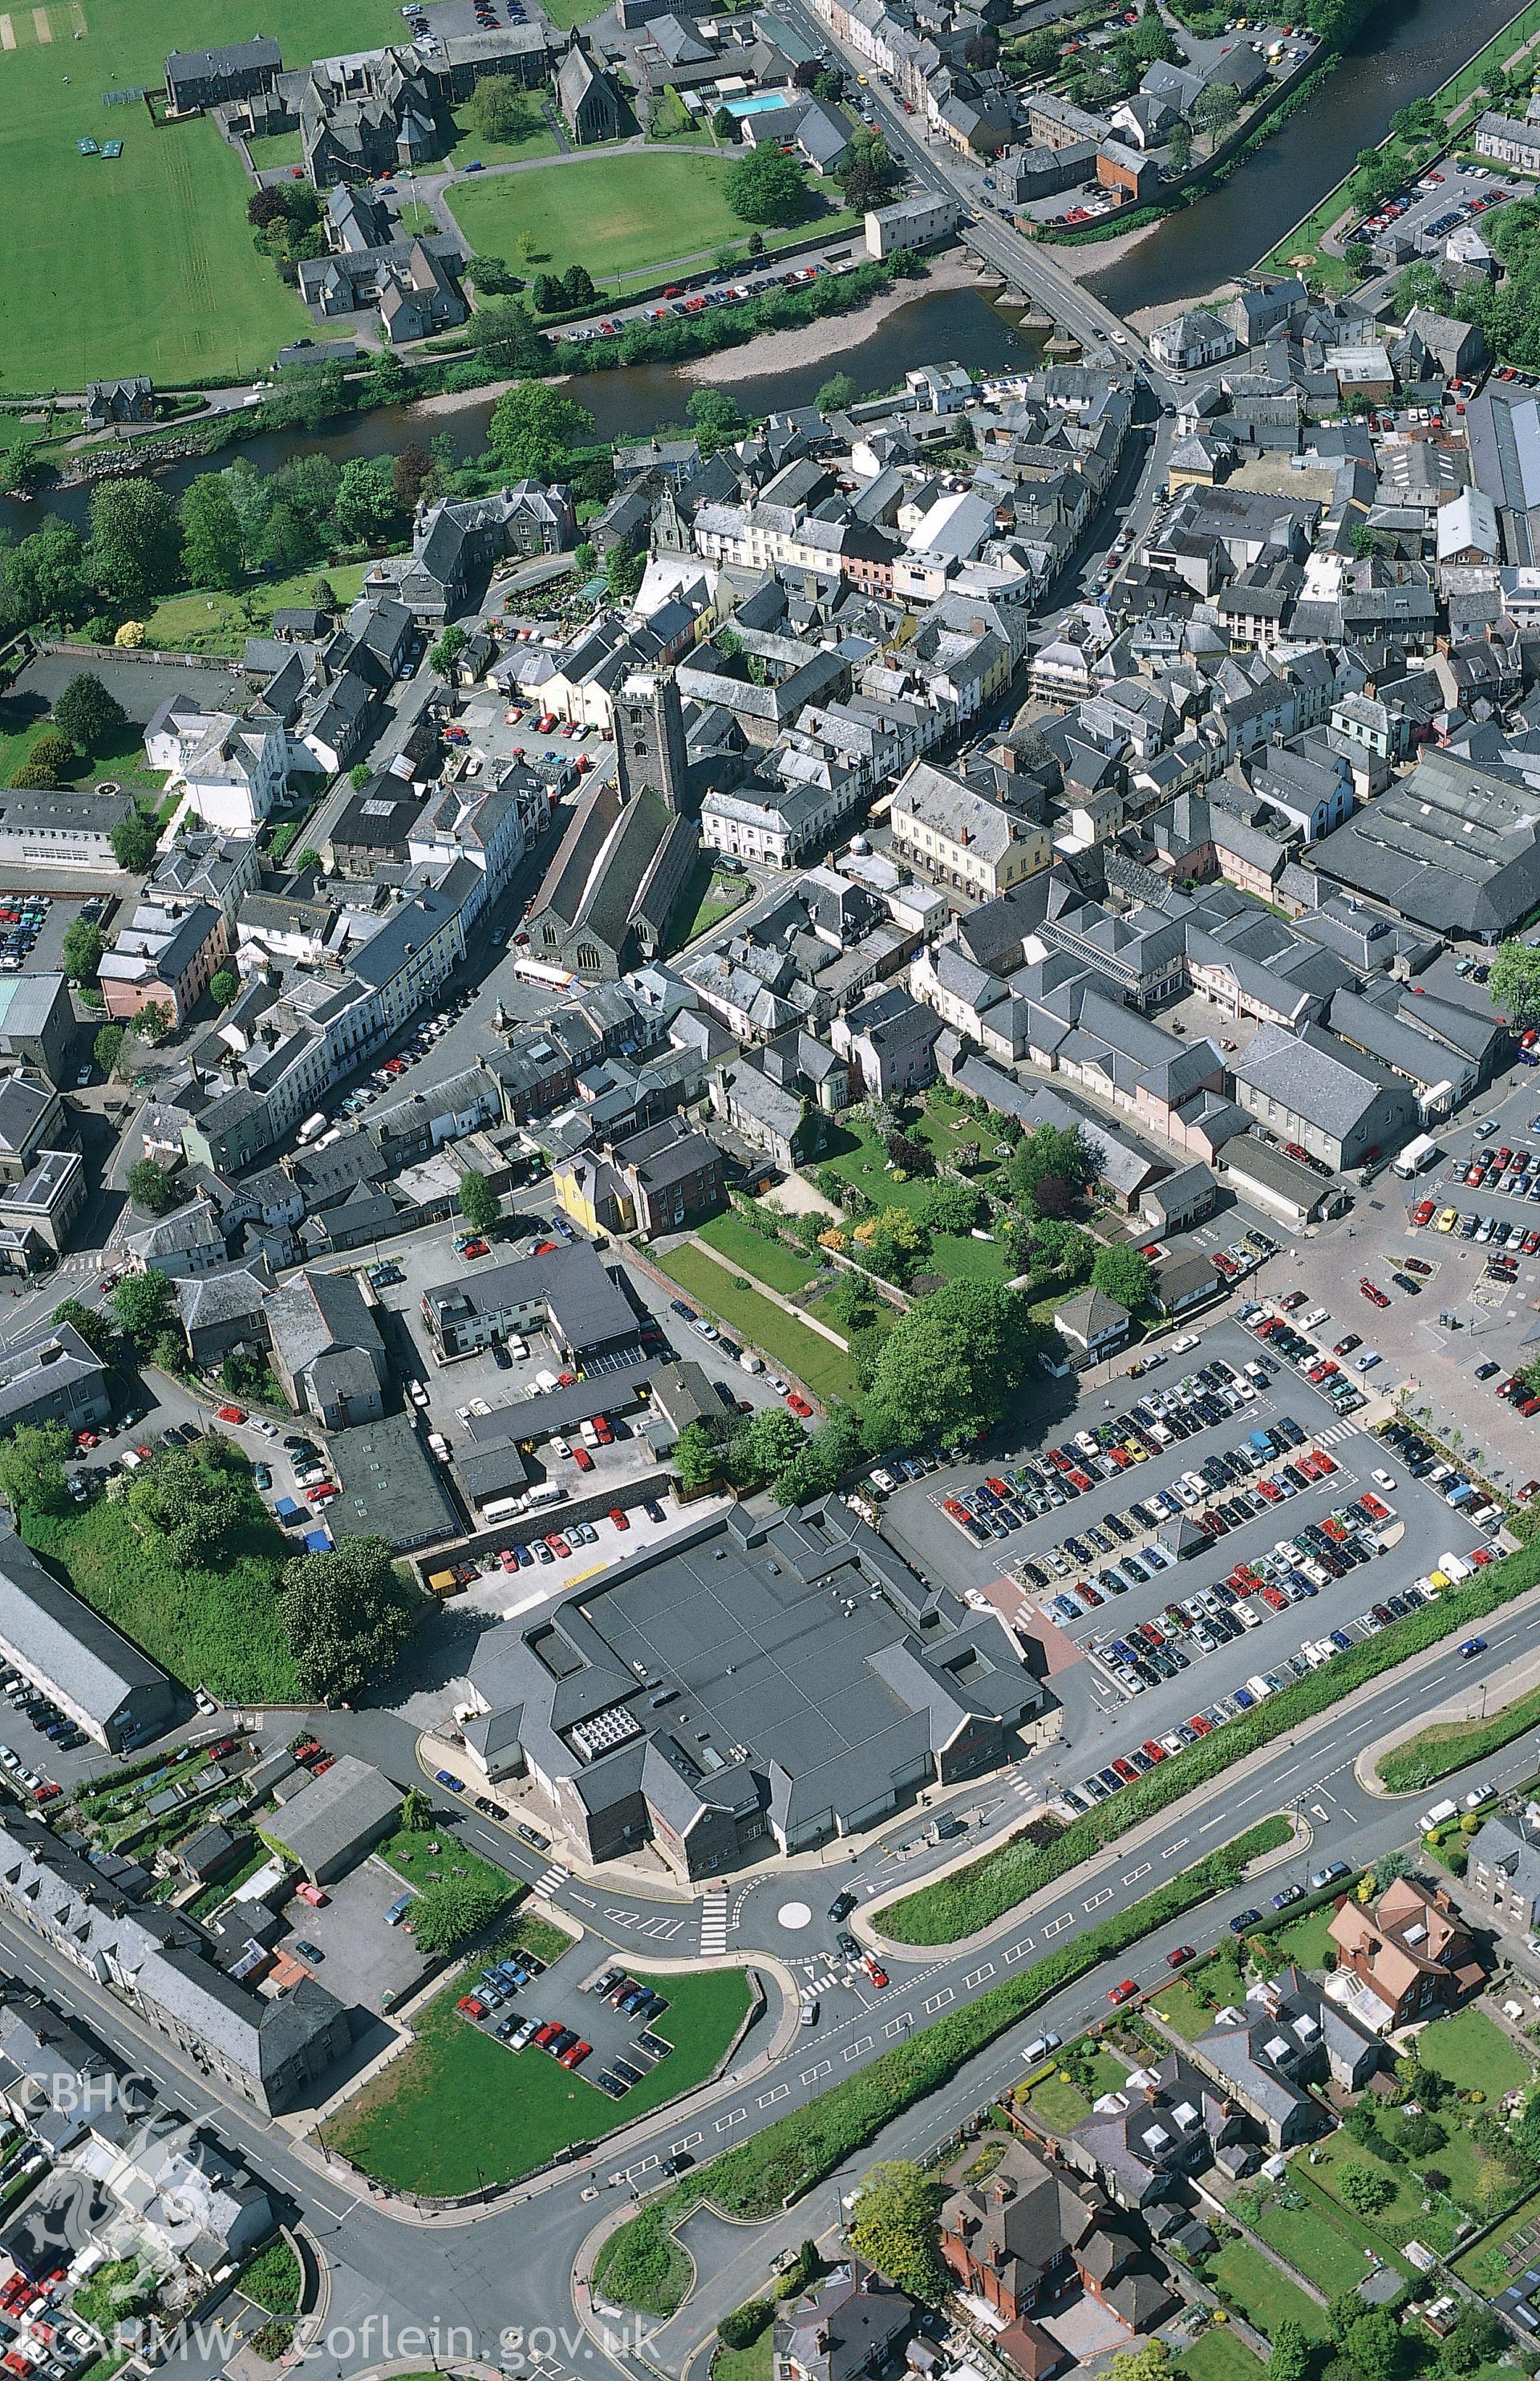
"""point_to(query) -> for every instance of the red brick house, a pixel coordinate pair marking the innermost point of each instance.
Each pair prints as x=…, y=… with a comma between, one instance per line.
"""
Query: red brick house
x=1411, y=1956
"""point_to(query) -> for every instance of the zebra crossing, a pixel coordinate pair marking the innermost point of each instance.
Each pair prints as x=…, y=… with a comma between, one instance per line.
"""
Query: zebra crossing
x=714, y=1924
x=1335, y=1433
x=548, y=1883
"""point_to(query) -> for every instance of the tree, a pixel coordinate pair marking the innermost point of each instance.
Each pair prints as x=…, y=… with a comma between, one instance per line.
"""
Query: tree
x=142, y=1307
x=716, y=418
x=411, y=472
x=453, y=1910
x=869, y=172
x=133, y=843
x=1122, y=1273
x=1039, y=53
x=1420, y=2136
x=766, y=186
x=950, y=1207
x=1150, y=2363
x=891, y=1243
x=43, y=580
x=547, y=293
x=448, y=650
x=1366, y=2188
x=1291, y=2353
x=32, y=1478
x=578, y=288
x=224, y=984
x=894, y=2228
x=1064, y=1249
x=213, y=550
x=83, y=950
x=1051, y=1166
x=837, y=392
x=771, y=1439
x=155, y=1020
x=1181, y=146
x=949, y=1365
x=266, y=206
x=478, y=1202
x=417, y=1815
x=108, y=1046
x=533, y=430
x=698, y=1454
x=153, y=1185
x=366, y=508
x=192, y=1503
x=135, y=542
x=87, y=715
x=1216, y=107
x=503, y=333
x=347, y=1615
x=624, y=572
x=1514, y=983
x=93, y=1327
x=1373, y=2341
x=51, y=758
x=834, y=1448
x=498, y=110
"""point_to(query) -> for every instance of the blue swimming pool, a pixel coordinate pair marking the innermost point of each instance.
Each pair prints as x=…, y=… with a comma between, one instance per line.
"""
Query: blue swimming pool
x=757, y=105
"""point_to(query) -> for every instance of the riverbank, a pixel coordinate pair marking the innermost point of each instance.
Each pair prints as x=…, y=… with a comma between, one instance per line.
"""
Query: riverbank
x=812, y=344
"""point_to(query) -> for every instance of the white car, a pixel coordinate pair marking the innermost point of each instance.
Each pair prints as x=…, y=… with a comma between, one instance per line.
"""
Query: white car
x=268, y=1429
x=1383, y=1479
x=1179, y=1346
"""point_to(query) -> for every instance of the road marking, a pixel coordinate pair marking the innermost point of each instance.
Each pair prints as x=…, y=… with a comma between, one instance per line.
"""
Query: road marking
x=685, y=2141
x=1057, y=1926
x=1097, y=1899
x=734, y=2117
x=1135, y=1873
x=979, y=1975
x=550, y=1881
x=1017, y=1951
x=812, y=2074
x=859, y=2047
x=714, y=1924
x=1215, y=1823
x=939, y=2000
x=899, y=2024
x=781, y=2092
x=1172, y=1849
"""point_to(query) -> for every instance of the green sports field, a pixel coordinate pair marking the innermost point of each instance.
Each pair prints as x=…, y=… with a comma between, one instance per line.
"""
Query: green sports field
x=141, y=263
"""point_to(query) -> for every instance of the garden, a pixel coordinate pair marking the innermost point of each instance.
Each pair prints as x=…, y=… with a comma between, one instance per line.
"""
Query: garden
x=732, y=1301
x=460, y=2112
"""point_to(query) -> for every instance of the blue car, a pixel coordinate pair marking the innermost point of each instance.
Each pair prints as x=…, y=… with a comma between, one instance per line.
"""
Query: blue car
x=442, y=1778
x=1471, y=1648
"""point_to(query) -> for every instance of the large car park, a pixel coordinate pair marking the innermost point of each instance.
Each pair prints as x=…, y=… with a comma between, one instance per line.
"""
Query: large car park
x=610, y=2041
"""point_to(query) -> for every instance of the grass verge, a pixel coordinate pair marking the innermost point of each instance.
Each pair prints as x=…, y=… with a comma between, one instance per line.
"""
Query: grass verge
x=771, y=1261
x=1435, y=1752
x=637, y=2266
x=975, y=1896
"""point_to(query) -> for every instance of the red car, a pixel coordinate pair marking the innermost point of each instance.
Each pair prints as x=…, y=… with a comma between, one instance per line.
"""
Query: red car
x=879, y=1975
x=798, y=1405
x=229, y=1413
x=1423, y=1212
x=87, y=1438
x=558, y=1546
x=618, y=1518
x=574, y=2055
x=470, y=2006
x=1123, y=1992
x=322, y=1493
x=546, y=2034
x=1180, y=1956
x=474, y=1248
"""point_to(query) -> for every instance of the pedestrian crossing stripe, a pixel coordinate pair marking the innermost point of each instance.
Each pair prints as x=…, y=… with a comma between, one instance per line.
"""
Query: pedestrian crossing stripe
x=1337, y=1431
x=549, y=1882
x=713, y=1923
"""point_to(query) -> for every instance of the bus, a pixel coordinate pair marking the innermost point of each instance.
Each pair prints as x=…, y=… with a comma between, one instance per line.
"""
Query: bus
x=538, y=971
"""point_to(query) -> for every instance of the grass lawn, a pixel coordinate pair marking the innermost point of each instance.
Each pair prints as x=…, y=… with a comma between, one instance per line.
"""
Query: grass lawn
x=211, y=621
x=415, y=216
x=768, y=1261
x=618, y=213
x=1264, y=2293
x=123, y=761
x=826, y=1368
x=746, y=2364
x=213, y=1626
x=567, y=13
x=1475, y=2182
x=1060, y=2103
x=1435, y=1752
x=1219, y=2356
x=1311, y=2239
x=409, y=1856
x=273, y=148
x=707, y=898
x=1467, y=2049
x=142, y=263
x=853, y=1151
x=1183, y=2011
x=538, y=141
x=458, y=2107
x=1306, y=1941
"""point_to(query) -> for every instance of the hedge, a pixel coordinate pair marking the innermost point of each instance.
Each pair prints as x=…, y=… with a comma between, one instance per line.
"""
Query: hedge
x=958, y=1905
x=640, y=2265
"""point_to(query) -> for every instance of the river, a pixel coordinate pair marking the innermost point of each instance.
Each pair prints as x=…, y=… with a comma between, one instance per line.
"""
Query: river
x=1402, y=52
x=952, y=324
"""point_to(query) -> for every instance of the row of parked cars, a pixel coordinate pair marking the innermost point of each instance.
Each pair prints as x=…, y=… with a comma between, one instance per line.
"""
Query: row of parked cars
x=22, y=919
x=1281, y=1338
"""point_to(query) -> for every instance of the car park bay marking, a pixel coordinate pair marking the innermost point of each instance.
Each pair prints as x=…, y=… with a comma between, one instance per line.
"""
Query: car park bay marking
x=1097, y=1899
x=897, y=2025
x=939, y=2000
x=686, y=2141
x=768, y=2099
x=1135, y=1873
x=813, y=2074
x=859, y=2047
x=1017, y=1951
x=978, y=1976
x=733, y=2117
x=1057, y=1926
